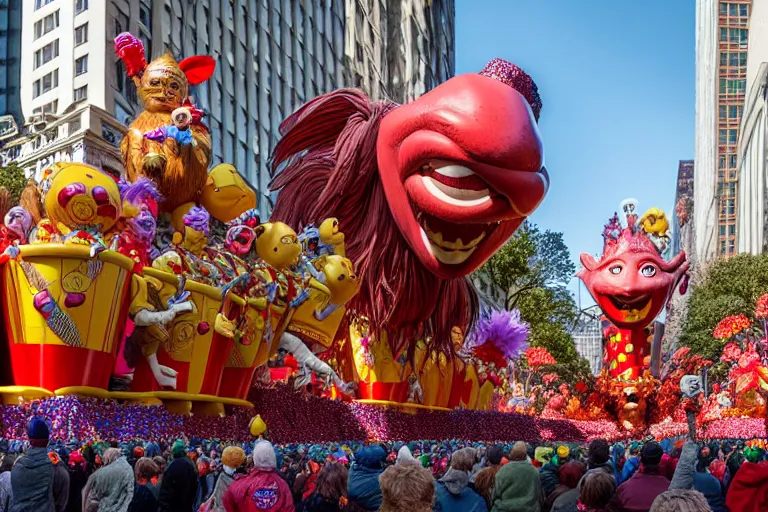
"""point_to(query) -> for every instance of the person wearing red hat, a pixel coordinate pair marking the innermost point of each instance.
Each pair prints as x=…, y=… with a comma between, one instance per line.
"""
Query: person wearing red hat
x=40, y=483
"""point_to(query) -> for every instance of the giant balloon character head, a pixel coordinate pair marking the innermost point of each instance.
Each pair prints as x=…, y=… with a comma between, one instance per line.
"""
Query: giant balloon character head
x=425, y=192
x=631, y=282
x=457, y=193
x=82, y=197
x=226, y=194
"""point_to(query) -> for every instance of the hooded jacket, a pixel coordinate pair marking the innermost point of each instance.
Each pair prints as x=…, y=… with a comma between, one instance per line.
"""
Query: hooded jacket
x=260, y=491
x=518, y=488
x=453, y=495
x=38, y=484
x=363, y=489
x=748, y=491
x=110, y=489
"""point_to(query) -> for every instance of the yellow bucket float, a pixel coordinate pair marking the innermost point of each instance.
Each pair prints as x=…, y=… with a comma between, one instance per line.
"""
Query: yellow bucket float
x=64, y=316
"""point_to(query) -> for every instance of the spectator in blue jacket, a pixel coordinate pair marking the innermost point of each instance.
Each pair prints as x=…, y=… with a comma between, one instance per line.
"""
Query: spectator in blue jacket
x=363, y=489
x=453, y=493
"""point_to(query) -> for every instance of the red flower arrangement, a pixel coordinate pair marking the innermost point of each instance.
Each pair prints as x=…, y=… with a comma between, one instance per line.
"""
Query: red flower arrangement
x=538, y=356
x=761, y=310
x=731, y=353
x=731, y=326
x=549, y=378
x=581, y=387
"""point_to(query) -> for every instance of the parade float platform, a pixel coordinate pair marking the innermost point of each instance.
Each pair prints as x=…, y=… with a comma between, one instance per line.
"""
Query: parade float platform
x=293, y=417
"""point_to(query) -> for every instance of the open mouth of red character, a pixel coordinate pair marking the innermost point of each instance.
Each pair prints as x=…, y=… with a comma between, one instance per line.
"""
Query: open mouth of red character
x=623, y=303
x=458, y=210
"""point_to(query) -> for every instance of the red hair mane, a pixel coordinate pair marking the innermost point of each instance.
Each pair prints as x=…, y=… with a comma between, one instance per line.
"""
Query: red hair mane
x=327, y=157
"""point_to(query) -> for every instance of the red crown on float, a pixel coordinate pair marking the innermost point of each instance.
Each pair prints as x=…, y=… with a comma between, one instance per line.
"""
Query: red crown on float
x=130, y=49
x=512, y=75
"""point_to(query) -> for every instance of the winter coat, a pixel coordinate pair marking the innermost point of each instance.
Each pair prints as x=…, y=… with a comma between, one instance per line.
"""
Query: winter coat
x=260, y=491
x=316, y=503
x=143, y=500
x=223, y=482
x=109, y=489
x=38, y=484
x=518, y=488
x=630, y=468
x=6, y=493
x=453, y=495
x=204, y=489
x=748, y=491
x=637, y=493
x=178, y=487
x=549, y=478
x=363, y=489
x=566, y=502
x=77, y=479
x=710, y=487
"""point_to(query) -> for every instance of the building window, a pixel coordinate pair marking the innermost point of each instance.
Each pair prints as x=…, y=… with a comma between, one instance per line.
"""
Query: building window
x=145, y=16
x=40, y=3
x=45, y=84
x=722, y=229
x=723, y=34
x=81, y=65
x=81, y=34
x=47, y=53
x=731, y=207
x=731, y=160
x=147, y=44
x=732, y=136
x=743, y=11
x=722, y=138
x=122, y=23
x=736, y=35
x=731, y=246
x=47, y=24
x=722, y=246
x=81, y=93
x=80, y=6
x=723, y=85
x=723, y=112
x=48, y=108
x=721, y=162
x=723, y=59
x=731, y=229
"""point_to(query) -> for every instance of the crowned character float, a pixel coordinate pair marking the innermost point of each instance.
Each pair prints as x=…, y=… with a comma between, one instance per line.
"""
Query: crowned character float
x=632, y=283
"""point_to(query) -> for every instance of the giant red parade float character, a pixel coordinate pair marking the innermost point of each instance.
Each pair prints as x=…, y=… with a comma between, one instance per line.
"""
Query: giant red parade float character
x=632, y=282
x=425, y=196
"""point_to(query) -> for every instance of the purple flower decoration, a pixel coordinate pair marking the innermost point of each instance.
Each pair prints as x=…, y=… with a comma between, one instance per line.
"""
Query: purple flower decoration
x=504, y=329
x=198, y=219
x=140, y=191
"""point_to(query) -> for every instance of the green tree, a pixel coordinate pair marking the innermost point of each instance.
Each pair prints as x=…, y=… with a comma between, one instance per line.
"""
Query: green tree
x=533, y=269
x=12, y=178
x=729, y=287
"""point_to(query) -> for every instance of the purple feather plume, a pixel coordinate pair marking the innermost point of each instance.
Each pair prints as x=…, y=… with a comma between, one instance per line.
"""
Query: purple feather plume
x=504, y=329
x=139, y=191
x=198, y=219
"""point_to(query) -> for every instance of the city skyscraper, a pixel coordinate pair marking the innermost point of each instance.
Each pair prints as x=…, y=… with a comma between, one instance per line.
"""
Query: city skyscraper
x=271, y=56
x=752, y=217
x=722, y=35
x=10, y=52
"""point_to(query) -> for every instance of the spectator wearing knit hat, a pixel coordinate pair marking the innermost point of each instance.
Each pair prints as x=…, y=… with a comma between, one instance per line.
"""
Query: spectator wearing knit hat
x=40, y=482
x=179, y=484
x=637, y=493
x=231, y=459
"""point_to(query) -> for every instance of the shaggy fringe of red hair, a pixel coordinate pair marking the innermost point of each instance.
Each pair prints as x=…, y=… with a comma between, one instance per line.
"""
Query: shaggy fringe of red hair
x=329, y=169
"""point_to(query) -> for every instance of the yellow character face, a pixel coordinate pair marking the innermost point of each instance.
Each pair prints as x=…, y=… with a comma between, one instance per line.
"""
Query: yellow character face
x=340, y=278
x=82, y=196
x=163, y=86
x=277, y=244
x=194, y=241
x=329, y=232
x=226, y=194
x=655, y=222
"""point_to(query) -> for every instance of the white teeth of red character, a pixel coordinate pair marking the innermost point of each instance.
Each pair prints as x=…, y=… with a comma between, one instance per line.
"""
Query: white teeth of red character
x=448, y=253
x=455, y=185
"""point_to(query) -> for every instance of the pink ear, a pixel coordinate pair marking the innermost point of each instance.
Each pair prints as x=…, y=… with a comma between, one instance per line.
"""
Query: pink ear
x=588, y=262
x=198, y=68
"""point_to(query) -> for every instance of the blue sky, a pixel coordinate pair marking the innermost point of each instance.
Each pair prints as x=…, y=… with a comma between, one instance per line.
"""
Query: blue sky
x=617, y=83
